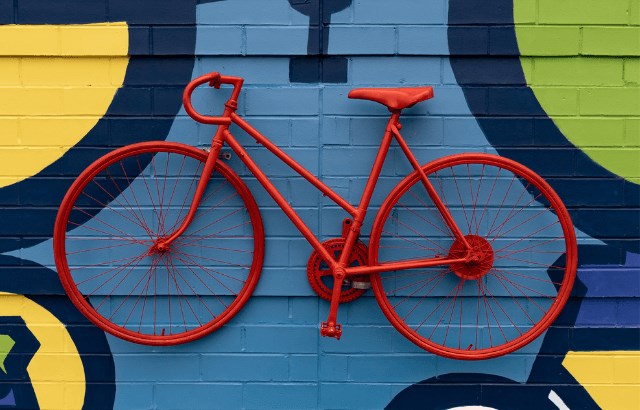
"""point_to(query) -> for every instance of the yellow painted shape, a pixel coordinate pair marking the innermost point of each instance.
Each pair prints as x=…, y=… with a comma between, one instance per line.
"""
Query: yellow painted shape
x=56, y=370
x=56, y=82
x=607, y=87
x=611, y=378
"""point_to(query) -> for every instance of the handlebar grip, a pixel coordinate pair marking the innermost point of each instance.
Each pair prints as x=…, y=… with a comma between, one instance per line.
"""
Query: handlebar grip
x=215, y=80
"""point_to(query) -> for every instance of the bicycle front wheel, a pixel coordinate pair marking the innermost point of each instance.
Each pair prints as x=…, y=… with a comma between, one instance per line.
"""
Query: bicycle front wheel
x=113, y=215
x=524, y=257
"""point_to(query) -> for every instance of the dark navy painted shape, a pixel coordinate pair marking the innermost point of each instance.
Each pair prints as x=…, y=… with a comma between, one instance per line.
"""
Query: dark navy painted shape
x=318, y=66
x=620, y=227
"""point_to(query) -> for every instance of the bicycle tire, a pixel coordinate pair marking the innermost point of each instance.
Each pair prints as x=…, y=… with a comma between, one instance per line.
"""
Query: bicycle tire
x=526, y=247
x=126, y=200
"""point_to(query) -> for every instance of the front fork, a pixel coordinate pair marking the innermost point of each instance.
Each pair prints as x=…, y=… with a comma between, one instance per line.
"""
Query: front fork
x=164, y=244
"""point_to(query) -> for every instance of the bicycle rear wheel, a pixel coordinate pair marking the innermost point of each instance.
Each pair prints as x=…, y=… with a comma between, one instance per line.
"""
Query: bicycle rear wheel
x=526, y=260
x=112, y=216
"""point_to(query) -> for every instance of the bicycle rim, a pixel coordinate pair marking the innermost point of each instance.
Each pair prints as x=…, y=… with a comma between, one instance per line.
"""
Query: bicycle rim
x=524, y=249
x=112, y=216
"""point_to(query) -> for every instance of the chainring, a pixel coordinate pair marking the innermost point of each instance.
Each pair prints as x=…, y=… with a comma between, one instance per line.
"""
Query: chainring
x=320, y=277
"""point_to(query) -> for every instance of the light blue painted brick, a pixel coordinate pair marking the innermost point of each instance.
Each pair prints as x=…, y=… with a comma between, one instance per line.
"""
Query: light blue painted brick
x=281, y=396
x=421, y=131
x=423, y=41
x=134, y=396
x=513, y=366
x=448, y=77
x=395, y=71
x=366, y=312
x=294, y=339
x=284, y=282
x=359, y=396
x=277, y=253
x=458, y=130
x=332, y=221
x=302, y=193
x=304, y=310
x=254, y=70
x=153, y=367
x=348, y=161
x=339, y=185
x=245, y=367
x=303, y=368
x=358, y=40
x=343, y=17
x=400, y=12
x=277, y=130
x=277, y=40
x=198, y=396
x=274, y=167
x=377, y=367
x=367, y=130
x=277, y=224
x=299, y=252
x=383, y=187
x=282, y=101
x=359, y=339
x=333, y=367
x=219, y=40
x=335, y=131
x=305, y=132
x=446, y=101
x=264, y=310
x=237, y=12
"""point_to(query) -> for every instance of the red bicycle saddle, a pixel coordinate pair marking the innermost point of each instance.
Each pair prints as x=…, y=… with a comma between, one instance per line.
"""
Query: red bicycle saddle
x=394, y=98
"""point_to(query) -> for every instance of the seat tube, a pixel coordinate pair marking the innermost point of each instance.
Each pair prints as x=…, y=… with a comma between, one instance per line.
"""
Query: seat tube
x=444, y=211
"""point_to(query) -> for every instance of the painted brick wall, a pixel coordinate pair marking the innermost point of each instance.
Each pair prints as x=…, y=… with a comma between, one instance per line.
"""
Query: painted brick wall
x=553, y=84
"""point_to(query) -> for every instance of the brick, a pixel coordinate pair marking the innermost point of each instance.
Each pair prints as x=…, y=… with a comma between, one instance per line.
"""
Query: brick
x=470, y=40
x=422, y=40
x=173, y=40
x=355, y=395
x=277, y=40
x=332, y=367
x=135, y=395
x=632, y=71
x=66, y=12
x=6, y=12
x=350, y=40
x=256, y=12
x=588, y=71
x=231, y=368
x=582, y=12
x=360, y=339
x=611, y=41
x=379, y=71
x=198, y=395
x=632, y=130
x=374, y=368
x=563, y=100
x=548, y=40
x=525, y=12
x=10, y=69
x=280, y=396
x=152, y=367
x=282, y=339
x=303, y=368
x=595, y=132
x=609, y=101
x=282, y=101
x=255, y=70
x=399, y=12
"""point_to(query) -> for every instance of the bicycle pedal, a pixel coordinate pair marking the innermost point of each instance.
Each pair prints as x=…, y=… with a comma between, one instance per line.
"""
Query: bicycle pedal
x=361, y=284
x=327, y=331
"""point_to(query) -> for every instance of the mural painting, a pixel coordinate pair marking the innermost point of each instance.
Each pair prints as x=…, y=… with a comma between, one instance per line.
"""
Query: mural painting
x=554, y=85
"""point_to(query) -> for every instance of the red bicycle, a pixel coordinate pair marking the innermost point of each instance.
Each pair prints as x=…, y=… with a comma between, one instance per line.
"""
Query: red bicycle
x=470, y=256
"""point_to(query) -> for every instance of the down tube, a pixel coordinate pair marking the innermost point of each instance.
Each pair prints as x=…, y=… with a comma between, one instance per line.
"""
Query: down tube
x=277, y=196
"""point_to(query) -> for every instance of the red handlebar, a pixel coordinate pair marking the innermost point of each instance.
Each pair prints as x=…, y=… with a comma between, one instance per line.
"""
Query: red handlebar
x=215, y=80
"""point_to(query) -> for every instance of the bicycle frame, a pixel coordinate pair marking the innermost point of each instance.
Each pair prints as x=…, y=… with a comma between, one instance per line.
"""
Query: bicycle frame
x=339, y=267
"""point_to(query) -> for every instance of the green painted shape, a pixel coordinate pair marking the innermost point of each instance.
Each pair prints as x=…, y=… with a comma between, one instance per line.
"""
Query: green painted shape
x=581, y=58
x=6, y=344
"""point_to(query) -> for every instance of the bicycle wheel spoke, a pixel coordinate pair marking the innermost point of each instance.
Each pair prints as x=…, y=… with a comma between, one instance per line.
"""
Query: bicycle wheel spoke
x=131, y=201
x=515, y=233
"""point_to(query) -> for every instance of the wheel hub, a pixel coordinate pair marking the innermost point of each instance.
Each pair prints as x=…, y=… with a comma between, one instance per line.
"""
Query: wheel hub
x=481, y=258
